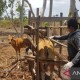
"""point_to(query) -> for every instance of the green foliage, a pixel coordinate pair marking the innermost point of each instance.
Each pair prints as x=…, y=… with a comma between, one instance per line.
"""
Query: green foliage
x=2, y=6
x=5, y=23
x=19, y=9
x=45, y=24
x=16, y=21
x=11, y=6
x=25, y=21
x=11, y=2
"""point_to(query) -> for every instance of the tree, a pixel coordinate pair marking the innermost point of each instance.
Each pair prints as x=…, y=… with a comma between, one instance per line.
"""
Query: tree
x=73, y=12
x=2, y=6
x=11, y=3
x=44, y=7
x=72, y=8
x=50, y=10
x=30, y=7
x=19, y=9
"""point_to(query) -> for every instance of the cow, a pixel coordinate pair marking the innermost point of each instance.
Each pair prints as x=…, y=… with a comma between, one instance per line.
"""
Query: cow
x=46, y=50
x=18, y=43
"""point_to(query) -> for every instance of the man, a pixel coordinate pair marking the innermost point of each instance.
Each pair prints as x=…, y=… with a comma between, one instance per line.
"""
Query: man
x=73, y=43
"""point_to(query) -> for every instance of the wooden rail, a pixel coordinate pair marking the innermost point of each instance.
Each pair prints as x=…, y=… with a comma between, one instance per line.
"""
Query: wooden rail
x=59, y=43
x=51, y=19
x=53, y=61
x=32, y=58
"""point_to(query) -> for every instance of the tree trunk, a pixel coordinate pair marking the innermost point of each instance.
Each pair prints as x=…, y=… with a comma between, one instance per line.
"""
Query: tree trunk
x=30, y=7
x=44, y=7
x=50, y=10
x=72, y=9
x=21, y=19
x=12, y=12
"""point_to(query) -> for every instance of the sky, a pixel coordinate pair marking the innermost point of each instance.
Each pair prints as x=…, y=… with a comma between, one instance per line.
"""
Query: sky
x=58, y=6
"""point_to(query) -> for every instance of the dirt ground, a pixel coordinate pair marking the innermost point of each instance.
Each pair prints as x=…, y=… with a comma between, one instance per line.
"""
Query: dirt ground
x=8, y=56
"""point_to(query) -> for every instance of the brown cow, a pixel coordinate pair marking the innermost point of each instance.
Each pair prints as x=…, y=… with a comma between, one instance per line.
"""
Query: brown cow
x=18, y=43
x=47, y=51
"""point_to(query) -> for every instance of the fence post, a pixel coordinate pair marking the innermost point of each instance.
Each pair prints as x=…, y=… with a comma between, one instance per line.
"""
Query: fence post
x=37, y=41
x=29, y=20
x=61, y=15
x=29, y=17
x=60, y=50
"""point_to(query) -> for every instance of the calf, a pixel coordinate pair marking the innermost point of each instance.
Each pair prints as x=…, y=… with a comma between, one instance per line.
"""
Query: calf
x=19, y=43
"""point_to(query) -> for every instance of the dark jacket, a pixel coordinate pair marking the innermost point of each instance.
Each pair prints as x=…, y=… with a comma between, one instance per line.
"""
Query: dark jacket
x=73, y=41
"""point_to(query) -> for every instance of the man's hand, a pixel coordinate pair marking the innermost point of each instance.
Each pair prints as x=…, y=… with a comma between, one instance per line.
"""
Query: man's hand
x=51, y=37
x=54, y=37
x=68, y=65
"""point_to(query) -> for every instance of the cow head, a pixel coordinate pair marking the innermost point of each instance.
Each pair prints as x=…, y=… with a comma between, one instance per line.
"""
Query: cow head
x=10, y=39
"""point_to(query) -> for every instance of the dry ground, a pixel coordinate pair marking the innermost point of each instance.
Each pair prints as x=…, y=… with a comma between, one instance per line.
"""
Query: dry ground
x=7, y=56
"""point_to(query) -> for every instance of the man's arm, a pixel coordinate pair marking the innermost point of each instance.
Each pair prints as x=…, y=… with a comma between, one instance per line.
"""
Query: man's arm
x=77, y=57
x=65, y=37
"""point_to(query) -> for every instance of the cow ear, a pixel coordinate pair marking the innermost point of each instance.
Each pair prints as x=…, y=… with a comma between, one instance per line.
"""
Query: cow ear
x=9, y=37
x=13, y=37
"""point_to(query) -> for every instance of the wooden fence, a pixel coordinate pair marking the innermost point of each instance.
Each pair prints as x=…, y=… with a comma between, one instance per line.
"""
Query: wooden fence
x=35, y=22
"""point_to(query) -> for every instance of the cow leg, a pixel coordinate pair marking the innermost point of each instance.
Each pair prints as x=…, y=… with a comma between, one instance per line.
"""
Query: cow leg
x=31, y=69
x=18, y=59
x=42, y=76
x=16, y=55
x=45, y=71
x=48, y=72
x=27, y=49
x=18, y=64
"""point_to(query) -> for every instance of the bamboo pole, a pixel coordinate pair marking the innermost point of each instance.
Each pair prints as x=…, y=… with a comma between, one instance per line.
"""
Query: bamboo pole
x=60, y=49
x=29, y=17
x=37, y=41
x=59, y=43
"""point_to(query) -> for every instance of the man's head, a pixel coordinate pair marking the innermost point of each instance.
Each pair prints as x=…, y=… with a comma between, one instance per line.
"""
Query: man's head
x=72, y=24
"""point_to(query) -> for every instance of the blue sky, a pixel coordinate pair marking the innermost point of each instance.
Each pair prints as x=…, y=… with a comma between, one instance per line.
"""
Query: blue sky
x=58, y=6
